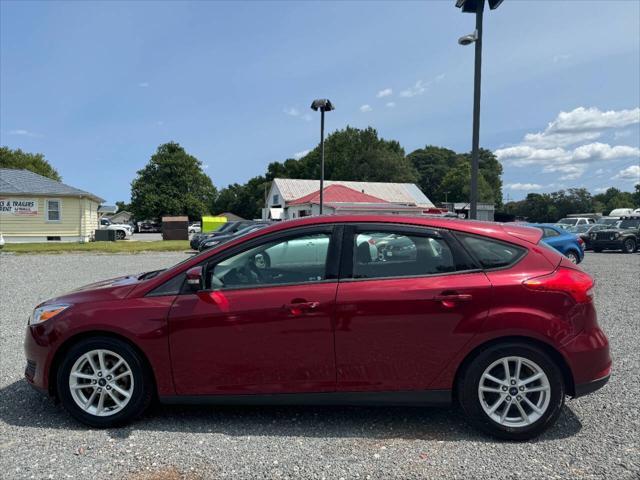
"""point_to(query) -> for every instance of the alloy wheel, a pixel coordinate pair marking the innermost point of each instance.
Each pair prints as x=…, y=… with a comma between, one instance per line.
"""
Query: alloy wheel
x=514, y=391
x=101, y=382
x=573, y=258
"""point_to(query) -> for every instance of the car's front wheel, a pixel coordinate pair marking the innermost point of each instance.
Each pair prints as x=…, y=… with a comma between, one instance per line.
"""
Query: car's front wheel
x=629, y=245
x=102, y=382
x=120, y=234
x=513, y=391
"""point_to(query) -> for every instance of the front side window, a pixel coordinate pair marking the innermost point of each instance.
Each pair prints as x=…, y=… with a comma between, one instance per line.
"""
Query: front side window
x=299, y=259
x=492, y=253
x=53, y=210
x=386, y=254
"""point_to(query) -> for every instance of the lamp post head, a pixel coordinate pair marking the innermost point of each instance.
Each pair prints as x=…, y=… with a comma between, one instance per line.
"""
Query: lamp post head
x=468, y=39
x=322, y=104
x=471, y=6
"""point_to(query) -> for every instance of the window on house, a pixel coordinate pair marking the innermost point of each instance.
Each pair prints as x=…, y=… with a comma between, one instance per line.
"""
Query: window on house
x=53, y=210
x=276, y=199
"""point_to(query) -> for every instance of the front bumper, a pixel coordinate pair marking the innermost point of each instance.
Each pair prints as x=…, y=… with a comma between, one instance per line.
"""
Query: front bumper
x=607, y=244
x=37, y=351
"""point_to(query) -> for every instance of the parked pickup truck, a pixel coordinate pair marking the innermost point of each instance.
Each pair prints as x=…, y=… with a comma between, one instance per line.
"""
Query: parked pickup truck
x=624, y=236
x=123, y=230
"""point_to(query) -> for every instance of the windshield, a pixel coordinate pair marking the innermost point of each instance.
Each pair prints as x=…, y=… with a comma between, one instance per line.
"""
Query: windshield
x=629, y=223
x=579, y=229
x=567, y=221
x=608, y=221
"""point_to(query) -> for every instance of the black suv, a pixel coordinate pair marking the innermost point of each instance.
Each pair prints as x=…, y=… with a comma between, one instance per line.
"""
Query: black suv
x=624, y=236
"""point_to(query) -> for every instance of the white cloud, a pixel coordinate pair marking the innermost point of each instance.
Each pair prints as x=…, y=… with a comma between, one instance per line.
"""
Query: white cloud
x=291, y=111
x=23, y=132
x=366, y=108
x=301, y=154
x=630, y=173
x=581, y=124
x=390, y=104
x=418, y=89
x=524, y=186
x=384, y=93
x=561, y=57
x=143, y=84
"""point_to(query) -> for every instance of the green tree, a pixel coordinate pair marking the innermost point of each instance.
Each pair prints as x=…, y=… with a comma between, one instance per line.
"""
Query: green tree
x=432, y=164
x=351, y=154
x=123, y=207
x=457, y=183
x=615, y=198
x=172, y=183
x=34, y=162
x=244, y=200
x=491, y=169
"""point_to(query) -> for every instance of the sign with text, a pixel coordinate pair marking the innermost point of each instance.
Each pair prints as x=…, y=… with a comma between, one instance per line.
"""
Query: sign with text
x=24, y=207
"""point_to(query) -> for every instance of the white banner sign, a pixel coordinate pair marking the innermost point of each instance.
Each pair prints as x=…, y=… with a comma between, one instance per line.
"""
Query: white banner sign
x=26, y=207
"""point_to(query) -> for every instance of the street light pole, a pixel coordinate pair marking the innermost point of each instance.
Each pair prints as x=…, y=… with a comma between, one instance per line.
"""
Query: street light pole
x=477, y=7
x=321, y=159
x=324, y=105
x=475, y=152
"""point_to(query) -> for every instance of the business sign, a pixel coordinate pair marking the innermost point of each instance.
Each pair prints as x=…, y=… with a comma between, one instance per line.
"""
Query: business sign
x=23, y=207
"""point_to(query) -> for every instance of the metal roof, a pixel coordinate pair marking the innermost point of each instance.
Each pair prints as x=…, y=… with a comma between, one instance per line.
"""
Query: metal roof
x=402, y=193
x=25, y=182
x=337, y=194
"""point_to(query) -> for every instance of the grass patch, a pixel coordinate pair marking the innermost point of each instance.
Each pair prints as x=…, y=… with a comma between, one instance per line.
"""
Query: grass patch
x=104, y=247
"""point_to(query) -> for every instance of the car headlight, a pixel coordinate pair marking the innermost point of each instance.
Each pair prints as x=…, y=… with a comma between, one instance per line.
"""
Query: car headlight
x=46, y=312
x=617, y=234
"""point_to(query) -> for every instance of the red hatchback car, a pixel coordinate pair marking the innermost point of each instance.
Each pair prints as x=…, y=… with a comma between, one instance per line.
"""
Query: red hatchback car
x=334, y=310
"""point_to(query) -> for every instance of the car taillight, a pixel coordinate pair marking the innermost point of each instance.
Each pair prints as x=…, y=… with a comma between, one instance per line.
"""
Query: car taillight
x=575, y=283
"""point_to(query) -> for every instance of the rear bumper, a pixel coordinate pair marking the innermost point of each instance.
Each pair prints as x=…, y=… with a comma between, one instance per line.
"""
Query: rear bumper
x=589, y=360
x=590, y=387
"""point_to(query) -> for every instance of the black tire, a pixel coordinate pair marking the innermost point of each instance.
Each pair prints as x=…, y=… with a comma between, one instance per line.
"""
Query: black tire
x=597, y=250
x=142, y=386
x=575, y=255
x=120, y=235
x=629, y=245
x=468, y=383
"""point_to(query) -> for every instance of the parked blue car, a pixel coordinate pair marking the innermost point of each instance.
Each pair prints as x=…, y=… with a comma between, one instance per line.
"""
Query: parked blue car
x=565, y=242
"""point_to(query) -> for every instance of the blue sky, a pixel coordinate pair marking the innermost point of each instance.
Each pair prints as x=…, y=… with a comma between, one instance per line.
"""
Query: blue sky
x=97, y=86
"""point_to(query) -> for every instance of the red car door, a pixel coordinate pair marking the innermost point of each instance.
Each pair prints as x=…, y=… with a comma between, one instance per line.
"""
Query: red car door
x=412, y=302
x=265, y=326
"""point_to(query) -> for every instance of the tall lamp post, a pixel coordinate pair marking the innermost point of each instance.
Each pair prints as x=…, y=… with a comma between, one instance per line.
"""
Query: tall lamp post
x=324, y=105
x=477, y=7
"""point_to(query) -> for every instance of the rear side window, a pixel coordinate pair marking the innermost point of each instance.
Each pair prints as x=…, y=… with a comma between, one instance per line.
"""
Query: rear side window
x=549, y=232
x=492, y=253
x=386, y=254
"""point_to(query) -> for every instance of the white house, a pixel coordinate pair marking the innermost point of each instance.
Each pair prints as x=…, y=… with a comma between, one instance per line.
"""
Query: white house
x=293, y=198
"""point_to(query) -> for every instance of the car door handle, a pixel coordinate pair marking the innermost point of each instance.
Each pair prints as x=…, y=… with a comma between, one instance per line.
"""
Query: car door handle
x=297, y=308
x=451, y=299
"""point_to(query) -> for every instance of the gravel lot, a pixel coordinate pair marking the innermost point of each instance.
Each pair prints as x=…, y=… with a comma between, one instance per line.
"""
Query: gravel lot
x=596, y=437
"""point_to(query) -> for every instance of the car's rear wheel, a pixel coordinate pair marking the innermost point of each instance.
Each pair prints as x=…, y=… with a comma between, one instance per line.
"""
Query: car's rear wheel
x=513, y=391
x=629, y=245
x=573, y=257
x=120, y=235
x=102, y=382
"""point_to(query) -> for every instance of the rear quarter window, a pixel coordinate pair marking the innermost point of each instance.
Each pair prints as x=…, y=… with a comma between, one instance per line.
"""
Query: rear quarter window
x=491, y=253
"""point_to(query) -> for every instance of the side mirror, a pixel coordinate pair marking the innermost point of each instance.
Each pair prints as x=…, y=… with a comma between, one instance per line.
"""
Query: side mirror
x=194, y=278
